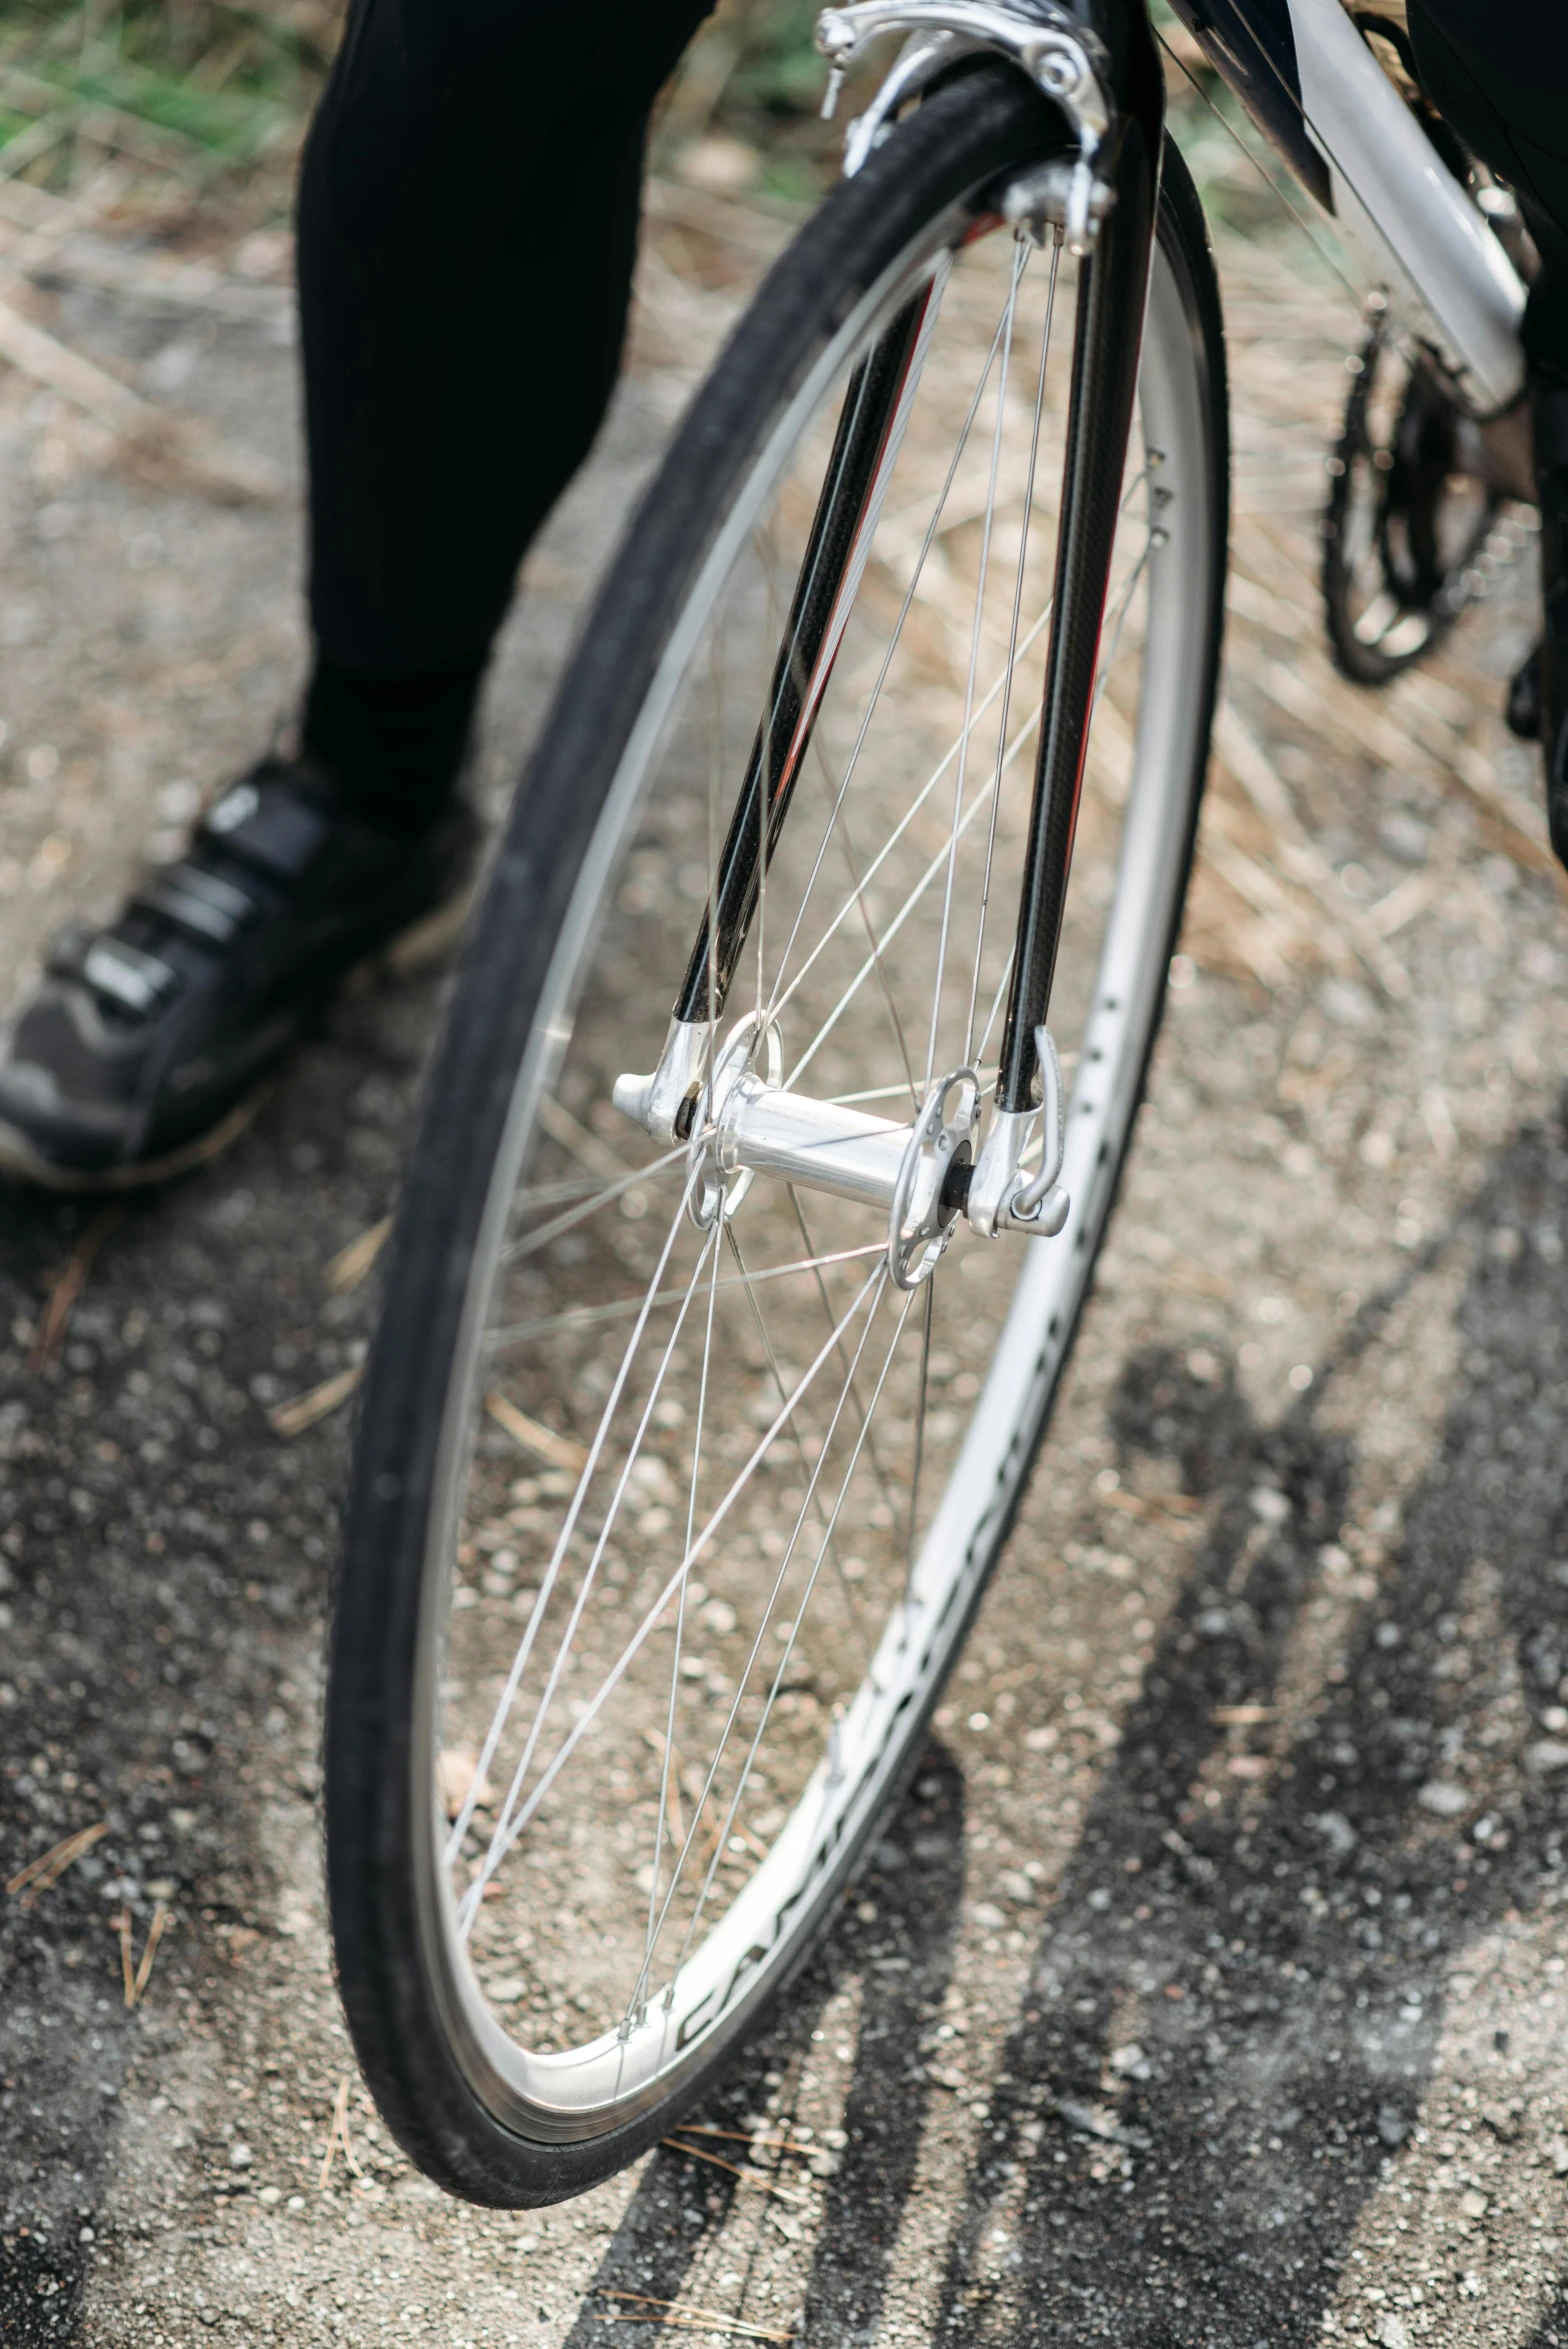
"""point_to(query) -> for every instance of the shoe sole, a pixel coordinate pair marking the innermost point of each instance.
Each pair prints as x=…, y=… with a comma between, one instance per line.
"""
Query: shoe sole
x=424, y=942
x=18, y=1158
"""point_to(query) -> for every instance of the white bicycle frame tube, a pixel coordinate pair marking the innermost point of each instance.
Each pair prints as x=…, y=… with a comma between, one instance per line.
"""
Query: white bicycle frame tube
x=1423, y=241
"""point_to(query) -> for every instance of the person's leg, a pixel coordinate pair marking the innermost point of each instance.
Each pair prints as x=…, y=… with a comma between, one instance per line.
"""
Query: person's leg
x=467, y=229
x=1498, y=71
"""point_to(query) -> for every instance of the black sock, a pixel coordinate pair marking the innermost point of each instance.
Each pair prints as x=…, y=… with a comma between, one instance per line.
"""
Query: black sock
x=395, y=744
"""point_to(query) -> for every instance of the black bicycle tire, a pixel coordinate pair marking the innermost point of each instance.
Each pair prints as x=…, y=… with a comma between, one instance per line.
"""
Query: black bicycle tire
x=976, y=128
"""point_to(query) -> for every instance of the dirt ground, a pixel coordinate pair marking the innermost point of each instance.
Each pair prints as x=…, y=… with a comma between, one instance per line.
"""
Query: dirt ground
x=1211, y=1987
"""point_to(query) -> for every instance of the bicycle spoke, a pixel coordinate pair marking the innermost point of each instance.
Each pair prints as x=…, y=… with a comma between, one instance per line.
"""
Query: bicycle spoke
x=896, y=835
x=1118, y=621
x=807, y=673
x=1021, y=251
x=600, y=1196
x=874, y=699
x=884, y=984
x=667, y=1761
x=789, y=1646
x=583, y=1317
x=822, y=1294
x=997, y=1001
x=800, y=1449
x=1001, y=685
x=1012, y=642
x=512, y=1824
x=920, y=1430
x=938, y=864
x=764, y=784
x=765, y=1615
x=564, y=1645
x=563, y=1541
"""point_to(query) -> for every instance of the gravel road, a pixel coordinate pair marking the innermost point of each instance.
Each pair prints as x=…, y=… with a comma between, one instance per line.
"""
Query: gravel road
x=1210, y=1988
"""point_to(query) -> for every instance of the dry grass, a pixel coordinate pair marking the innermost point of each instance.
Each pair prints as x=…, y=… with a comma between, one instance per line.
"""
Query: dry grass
x=40, y=1874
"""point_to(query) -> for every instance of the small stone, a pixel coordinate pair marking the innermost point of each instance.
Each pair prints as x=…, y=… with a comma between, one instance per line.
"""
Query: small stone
x=1546, y=1756
x=1445, y=1800
x=1347, y=1005
x=1131, y=2062
x=240, y=2157
x=1091, y=2122
x=1404, y=837
x=270, y=2195
x=455, y=1777
x=1392, y=2332
x=1473, y=2202
x=506, y=1992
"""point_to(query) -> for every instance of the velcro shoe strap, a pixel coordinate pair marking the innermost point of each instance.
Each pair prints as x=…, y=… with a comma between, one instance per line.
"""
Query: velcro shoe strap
x=207, y=908
x=137, y=982
x=274, y=830
x=68, y=949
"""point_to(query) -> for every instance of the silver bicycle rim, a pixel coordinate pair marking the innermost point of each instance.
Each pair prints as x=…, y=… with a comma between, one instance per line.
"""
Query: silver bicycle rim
x=671, y=2028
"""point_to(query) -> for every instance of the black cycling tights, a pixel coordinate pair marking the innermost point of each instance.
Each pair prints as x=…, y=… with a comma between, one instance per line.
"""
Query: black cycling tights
x=467, y=227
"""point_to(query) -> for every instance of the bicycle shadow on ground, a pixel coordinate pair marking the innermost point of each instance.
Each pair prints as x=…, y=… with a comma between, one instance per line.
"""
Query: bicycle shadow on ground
x=903, y=1960
x=1238, y=1997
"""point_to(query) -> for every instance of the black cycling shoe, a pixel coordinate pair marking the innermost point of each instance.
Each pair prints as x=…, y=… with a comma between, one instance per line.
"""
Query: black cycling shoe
x=144, y=1047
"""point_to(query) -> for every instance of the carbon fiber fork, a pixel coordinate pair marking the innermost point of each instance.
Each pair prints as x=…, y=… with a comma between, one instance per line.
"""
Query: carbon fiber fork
x=799, y=676
x=1112, y=287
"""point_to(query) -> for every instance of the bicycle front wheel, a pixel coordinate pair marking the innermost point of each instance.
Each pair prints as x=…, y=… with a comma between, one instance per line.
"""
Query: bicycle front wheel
x=682, y=1466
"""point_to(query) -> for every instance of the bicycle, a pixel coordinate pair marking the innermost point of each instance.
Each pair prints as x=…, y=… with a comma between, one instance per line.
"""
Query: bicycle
x=702, y=1400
